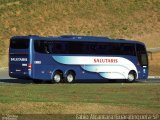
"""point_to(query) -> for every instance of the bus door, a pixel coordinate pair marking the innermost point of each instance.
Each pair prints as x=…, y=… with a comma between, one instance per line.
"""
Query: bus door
x=142, y=61
x=19, y=66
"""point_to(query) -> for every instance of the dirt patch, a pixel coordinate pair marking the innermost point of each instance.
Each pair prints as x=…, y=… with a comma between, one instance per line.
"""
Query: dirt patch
x=70, y=108
x=10, y=4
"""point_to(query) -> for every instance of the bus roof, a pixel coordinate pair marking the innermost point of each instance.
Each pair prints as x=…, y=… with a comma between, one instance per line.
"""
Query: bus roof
x=76, y=38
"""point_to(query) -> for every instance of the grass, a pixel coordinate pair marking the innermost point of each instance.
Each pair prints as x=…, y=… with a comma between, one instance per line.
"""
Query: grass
x=79, y=98
x=131, y=19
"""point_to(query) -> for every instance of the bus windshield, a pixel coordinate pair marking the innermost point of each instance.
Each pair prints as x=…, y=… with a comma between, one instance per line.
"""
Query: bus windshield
x=142, y=55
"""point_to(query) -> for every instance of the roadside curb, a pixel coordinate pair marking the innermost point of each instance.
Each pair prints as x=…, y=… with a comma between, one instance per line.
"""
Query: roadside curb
x=3, y=68
x=153, y=77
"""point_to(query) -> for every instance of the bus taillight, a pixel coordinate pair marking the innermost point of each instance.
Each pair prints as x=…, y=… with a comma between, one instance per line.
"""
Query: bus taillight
x=29, y=66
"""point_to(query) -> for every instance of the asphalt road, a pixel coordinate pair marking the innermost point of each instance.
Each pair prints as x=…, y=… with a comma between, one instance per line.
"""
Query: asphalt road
x=5, y=79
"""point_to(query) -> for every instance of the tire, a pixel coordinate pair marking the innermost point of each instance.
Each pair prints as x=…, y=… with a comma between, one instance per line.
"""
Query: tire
x=70, y=77
x=131, y=77
x=37, y=81
x=57, y=77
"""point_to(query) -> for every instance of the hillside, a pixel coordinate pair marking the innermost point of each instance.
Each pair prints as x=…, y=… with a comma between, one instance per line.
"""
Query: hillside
x=133, y=19
x=128, y=19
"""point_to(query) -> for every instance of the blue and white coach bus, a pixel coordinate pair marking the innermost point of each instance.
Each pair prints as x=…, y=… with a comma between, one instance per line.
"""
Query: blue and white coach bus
x=70, y=58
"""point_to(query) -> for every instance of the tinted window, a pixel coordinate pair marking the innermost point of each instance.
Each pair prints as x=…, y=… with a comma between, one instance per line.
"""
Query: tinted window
x=141, y=48
x=116, y=49
x=50, y=47
x=19, y=43
x=94, y=48
x=127, y=49
x=75, y=47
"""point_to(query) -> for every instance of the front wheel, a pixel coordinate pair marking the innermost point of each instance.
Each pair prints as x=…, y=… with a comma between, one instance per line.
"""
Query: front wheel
x=131, y=77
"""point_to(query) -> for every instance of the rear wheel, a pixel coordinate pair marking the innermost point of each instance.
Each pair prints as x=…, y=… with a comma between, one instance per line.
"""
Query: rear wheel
x=57, y=77
x=131, y=77
x=70, y=77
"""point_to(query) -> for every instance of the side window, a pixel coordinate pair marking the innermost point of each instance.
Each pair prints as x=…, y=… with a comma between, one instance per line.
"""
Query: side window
x=58, y=47
x=42, y=46
x=101, y=48
x=89, y=48
x=113, y=48
x=75, y=47
x=140, y=48
x=127, y=49
x=39, y=46
x=51, y=47
x=104, y=48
